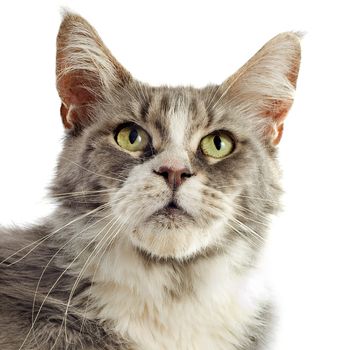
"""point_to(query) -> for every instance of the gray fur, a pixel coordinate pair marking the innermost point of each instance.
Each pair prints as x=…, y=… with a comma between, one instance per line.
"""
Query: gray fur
x=90, y=162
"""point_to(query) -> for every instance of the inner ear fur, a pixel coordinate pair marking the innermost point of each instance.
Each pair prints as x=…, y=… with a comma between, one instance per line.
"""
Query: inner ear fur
x=265, y=85
x=85, y=70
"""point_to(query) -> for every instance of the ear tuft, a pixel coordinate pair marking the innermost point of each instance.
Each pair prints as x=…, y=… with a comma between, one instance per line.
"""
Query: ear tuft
x=85, y=69
x=266, y=83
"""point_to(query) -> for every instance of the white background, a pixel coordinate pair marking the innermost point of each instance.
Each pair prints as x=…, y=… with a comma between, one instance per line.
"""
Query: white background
x=197, y=42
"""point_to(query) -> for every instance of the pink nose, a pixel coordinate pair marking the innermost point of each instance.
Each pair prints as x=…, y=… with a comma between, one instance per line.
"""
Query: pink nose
x=174, y=176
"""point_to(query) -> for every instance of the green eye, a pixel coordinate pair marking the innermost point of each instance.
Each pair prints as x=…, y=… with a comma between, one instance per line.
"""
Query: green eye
x=217, y=145
x=132, y=138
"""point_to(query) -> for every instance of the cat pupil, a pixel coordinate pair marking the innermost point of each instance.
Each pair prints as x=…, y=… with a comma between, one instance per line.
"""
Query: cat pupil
x=133, y=136
x=217, y=142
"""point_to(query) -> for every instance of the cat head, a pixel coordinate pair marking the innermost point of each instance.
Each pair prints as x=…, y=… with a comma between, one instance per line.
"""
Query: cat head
x=178, y=171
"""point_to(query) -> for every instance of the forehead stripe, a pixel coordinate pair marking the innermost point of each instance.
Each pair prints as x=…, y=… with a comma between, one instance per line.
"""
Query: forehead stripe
x=178, y=125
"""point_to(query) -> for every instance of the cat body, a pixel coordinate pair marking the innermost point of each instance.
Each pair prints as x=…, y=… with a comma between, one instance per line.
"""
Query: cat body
x=198, y=312
x=164, y=197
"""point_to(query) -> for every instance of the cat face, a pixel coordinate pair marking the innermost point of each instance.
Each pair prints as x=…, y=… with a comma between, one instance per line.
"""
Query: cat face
x=181, y=172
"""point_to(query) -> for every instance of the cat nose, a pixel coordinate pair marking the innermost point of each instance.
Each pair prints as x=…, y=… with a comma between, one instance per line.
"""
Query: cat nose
x=174, y=176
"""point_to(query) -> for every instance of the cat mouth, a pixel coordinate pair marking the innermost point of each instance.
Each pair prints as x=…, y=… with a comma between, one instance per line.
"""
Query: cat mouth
x=172, y=210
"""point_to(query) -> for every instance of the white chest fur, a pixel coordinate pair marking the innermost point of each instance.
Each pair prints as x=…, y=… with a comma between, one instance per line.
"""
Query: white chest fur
x=213, y=311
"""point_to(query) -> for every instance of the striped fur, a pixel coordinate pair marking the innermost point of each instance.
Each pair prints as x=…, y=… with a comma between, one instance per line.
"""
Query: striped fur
x=111, y=268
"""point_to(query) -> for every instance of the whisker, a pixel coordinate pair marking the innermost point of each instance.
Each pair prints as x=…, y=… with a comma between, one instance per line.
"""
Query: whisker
x=82, y=193
x=93, y=254
x=249, y=197
x=90, y=171
x=54, y=285
x=240, y=223
x=212, y=98
x=241, y=209
x=235, y=220
x=241, y=234
x=52, y=258
x=78, y=279
x=258, y=198
x=43, y=239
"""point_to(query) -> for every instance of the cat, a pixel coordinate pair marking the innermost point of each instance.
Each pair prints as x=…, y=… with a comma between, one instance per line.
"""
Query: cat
x=164, y=196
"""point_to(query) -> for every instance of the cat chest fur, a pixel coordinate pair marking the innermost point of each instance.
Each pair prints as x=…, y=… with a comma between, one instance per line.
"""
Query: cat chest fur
x=215, y=314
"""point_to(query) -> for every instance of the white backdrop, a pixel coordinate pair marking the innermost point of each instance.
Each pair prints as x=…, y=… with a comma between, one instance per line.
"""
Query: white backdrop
x=197, y=42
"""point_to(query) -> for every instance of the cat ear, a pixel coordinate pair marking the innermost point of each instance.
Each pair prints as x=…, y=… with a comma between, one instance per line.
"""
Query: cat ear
x=85, y=70
x=265, y=85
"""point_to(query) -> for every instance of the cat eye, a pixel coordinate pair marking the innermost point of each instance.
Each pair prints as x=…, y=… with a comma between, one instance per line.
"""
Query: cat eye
x=132, y=138
x=217, y=145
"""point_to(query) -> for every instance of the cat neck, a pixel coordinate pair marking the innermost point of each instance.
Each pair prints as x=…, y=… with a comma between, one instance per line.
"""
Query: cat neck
x=165, y=300
x=124, y=267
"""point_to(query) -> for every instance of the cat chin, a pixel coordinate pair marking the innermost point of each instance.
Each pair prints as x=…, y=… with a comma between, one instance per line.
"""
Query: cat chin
x=179, y=240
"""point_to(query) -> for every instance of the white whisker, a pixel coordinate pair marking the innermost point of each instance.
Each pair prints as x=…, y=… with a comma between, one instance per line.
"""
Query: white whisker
x=43, y=239
x=54, y=285
x=52, y=258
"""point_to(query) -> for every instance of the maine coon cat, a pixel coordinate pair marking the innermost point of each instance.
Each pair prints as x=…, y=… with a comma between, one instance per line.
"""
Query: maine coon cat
x=163, y=200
